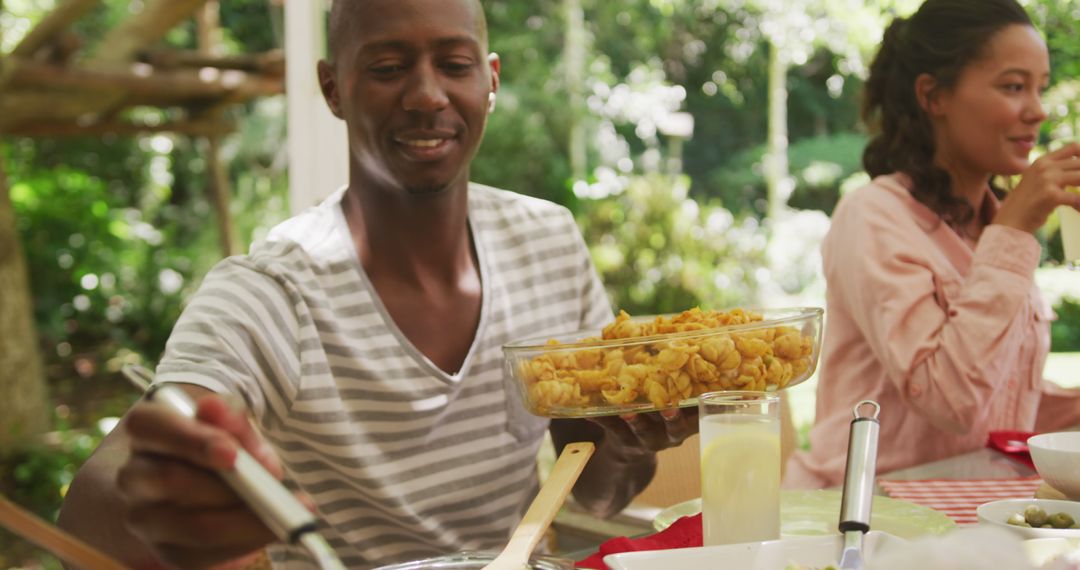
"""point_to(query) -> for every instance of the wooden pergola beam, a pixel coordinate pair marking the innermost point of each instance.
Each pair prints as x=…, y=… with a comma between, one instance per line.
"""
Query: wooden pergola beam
x=267, y=63
x=122, y=43
x=72, y=129
x=41, y=92
x=53, y=26
x=179, y=87
x=23, y=107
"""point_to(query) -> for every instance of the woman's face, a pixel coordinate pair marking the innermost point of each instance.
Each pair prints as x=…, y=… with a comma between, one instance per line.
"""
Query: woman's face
x=988, y=122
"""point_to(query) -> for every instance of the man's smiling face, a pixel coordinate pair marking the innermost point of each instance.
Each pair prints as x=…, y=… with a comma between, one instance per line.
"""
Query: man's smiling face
x=412, y=79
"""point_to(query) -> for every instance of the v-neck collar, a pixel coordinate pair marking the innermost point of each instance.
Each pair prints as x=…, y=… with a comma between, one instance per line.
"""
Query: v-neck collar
x=388, y=321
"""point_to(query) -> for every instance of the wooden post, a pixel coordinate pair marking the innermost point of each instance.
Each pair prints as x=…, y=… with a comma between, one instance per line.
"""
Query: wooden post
x=220, y=193
x=209, y=24
x=209, y=19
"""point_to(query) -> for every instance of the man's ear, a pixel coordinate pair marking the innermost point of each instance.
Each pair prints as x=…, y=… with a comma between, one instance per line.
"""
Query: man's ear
x=927, y=94
x=496, y=67
x=328, y=85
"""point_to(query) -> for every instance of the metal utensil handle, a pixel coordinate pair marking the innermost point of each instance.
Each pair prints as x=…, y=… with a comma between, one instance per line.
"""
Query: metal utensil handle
x=287, y=517
x=860, y=470
x=272, y=502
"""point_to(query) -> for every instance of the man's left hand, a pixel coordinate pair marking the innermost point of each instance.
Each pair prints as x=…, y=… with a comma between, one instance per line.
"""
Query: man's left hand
x=640, y=434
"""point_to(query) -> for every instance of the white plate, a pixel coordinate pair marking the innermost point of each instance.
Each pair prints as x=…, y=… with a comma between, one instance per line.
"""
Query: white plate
x=815, y=513
x=812, y=551
x=1044, y=550
x=995, y=513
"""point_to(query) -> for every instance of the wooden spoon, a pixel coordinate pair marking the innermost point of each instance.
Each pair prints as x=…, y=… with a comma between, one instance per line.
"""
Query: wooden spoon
x=56, y=541
x=564, y=474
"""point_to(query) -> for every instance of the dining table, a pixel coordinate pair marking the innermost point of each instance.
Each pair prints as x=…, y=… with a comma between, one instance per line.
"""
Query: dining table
x=579, y=535
x=984, y=463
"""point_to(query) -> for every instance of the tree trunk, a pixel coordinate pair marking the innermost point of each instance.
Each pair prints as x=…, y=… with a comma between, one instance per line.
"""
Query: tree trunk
x=209, y=25
x=23, y=408
x=576, y=52
x=777, y=178
x=220, y=196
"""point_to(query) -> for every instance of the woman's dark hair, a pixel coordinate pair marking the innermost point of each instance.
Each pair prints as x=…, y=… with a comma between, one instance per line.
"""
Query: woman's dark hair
x=940, y=39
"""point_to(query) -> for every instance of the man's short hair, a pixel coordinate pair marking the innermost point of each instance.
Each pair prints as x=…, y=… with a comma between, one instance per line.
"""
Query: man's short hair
x=344, y=12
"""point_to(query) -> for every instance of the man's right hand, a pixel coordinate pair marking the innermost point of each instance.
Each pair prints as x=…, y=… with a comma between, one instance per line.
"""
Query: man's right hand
x=175, y=502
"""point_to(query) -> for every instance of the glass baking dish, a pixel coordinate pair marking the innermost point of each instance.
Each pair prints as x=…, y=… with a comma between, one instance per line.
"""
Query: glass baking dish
x=645, y=364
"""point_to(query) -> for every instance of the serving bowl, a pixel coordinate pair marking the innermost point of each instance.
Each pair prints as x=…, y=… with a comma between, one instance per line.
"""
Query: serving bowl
x=1057, y=459
x=997, y=513
x=645, y=364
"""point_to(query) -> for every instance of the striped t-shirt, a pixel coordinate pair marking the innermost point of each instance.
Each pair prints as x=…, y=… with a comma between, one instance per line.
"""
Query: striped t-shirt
x=404, y=460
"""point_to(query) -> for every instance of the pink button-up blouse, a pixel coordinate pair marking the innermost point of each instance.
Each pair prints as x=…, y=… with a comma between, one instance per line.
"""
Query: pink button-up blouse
x=950, y=337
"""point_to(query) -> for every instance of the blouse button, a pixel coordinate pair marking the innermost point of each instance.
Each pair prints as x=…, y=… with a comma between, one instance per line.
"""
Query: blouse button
x=953, y=312
x=915, y=391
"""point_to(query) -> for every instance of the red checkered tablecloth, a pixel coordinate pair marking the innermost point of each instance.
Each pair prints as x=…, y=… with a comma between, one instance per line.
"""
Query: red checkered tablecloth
x=958, y=498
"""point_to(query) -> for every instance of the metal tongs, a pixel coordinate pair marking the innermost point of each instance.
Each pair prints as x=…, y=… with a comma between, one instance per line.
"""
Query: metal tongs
x=859, y=484
x=274, y=504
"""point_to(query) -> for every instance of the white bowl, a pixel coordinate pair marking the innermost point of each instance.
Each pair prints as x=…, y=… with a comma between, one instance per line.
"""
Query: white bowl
x=1057, y=459
x=995, y=513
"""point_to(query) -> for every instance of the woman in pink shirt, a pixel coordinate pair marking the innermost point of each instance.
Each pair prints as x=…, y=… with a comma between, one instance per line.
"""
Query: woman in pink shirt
x=932, y=307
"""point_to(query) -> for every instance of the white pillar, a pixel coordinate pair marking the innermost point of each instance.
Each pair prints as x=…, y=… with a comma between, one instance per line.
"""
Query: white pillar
x=318, y=147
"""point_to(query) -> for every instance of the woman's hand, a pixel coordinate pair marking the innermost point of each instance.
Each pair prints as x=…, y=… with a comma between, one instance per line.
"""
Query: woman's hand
x=174, y=500
x=1043, y=188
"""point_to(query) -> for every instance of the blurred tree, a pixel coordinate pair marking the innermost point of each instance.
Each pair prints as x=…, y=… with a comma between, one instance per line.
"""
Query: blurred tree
x=111, y=280
x=1057, y=19
x=526, y=144
x=717, y=52
x=660, y=251
x=819, y=166
x=792, y=30
x=23, y=410
x=576, y=58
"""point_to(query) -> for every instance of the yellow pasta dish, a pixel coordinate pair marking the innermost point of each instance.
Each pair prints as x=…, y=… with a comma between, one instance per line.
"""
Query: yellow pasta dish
x=643, y=364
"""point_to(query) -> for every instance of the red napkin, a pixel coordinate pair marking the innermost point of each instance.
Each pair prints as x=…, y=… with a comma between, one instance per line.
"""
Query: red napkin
x=683, y=533
x=1013, y=444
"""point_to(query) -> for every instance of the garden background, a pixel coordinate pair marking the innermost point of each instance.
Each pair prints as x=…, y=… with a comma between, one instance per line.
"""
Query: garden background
x=702, y=145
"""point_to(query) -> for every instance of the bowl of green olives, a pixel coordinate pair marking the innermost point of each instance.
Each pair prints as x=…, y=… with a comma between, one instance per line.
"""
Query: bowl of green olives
x=1033, y=518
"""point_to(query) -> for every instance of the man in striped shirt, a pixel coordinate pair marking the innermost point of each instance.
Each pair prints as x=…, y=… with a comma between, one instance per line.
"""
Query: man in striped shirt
x=363, y=336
